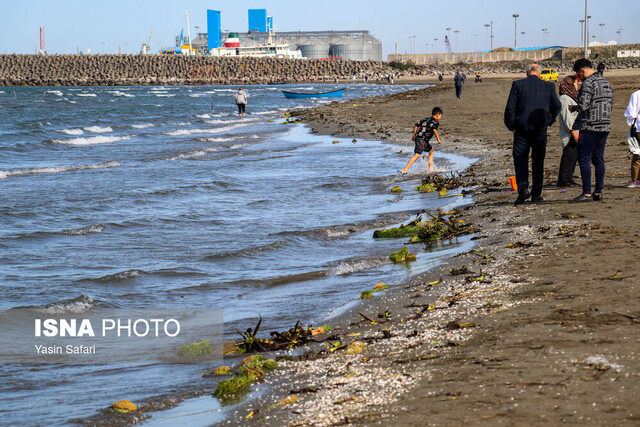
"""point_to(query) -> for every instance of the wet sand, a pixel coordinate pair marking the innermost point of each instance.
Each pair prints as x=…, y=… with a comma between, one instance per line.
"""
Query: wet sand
x=541, y=329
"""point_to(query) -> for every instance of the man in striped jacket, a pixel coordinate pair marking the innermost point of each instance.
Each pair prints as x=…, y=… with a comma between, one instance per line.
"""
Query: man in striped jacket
x=592, y=126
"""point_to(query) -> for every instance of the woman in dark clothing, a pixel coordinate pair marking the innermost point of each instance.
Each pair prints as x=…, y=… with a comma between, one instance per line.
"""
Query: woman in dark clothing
x=568, y=97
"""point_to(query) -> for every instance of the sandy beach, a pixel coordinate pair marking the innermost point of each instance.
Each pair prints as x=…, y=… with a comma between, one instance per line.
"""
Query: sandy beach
x=541, y=326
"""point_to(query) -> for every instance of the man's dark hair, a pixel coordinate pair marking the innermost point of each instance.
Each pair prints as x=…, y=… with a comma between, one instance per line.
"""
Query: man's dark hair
x=582, y=63
x=436, y=110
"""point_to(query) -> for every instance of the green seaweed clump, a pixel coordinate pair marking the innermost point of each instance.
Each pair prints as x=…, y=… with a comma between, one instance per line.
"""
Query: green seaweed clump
x=425, y=188
x=393, y=233
x=235, y=385
x=380, y=288
x=402, y=255
x=396, y=189
x=196, y=349
x=366, y=295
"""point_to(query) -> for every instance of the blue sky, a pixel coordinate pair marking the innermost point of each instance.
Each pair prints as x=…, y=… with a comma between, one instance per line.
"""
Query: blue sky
x=88, y=24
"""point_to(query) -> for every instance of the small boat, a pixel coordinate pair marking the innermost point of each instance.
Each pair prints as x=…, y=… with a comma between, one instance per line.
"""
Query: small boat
x=297, y=95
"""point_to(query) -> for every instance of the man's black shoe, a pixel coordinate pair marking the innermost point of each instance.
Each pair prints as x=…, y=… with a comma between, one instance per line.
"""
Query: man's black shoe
x=581, y=198
x=537, y=199
x=522, y=197
x=597, y=197
x=572, y=183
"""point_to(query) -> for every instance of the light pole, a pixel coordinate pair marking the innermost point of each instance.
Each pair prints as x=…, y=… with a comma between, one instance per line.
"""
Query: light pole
x=582, y=31
x=475, y=42
x=544, y=37
x=486, y=27
x=492, y=36
x=619, y=32
x=601, y=27
x=449, y=33
x=522, y=33
x=586, y=29
x=435, y=45
x=456, y=33
x=515, y=32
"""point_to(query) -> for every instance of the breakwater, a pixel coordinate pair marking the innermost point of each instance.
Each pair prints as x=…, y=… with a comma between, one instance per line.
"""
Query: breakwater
x=108, y=70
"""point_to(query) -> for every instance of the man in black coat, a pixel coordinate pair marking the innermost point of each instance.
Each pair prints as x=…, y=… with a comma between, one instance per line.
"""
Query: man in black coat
x=532, y=107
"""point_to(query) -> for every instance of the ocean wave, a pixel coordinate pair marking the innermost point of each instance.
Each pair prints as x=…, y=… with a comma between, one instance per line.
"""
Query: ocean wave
x=120, y=93
x=211, y=139
x=98, y=129
x=356, y=265
x=142, y=126
x=197, y=131
x=91, y=140
x=55, y=92
x=262, y=113
x=121, y=276
x=180, y=124
x=196, y=95
x=203, y=116
x=30, y=171
x=165, y=95
x=86, y=94
x=250, y=251
x=81, y=304
x=194, y=154
x=71, y=131
x=99, y=228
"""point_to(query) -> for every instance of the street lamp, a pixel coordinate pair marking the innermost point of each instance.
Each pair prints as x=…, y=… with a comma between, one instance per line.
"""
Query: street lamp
x=586, y=29
x=523, y=33
x=581, y=31
x=475, y=42
x=486, y=27
x=544, y=37
x=515, y=31
x=456, y=33
x=601, y=27
x=619, y=32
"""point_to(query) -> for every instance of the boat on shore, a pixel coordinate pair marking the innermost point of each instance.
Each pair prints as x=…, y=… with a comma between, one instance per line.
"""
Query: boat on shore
x=298, y=95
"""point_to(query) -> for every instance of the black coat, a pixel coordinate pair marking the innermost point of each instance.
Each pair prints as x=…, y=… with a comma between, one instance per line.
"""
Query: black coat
x=532, y=105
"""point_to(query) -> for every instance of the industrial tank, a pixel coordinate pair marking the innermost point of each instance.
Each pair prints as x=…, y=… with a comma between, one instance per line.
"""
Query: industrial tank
x=348, y=48
x=314, y=50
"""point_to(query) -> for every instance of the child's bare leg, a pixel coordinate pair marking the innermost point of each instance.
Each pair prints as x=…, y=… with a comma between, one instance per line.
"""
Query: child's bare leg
x=412, y=160
x=431, y=160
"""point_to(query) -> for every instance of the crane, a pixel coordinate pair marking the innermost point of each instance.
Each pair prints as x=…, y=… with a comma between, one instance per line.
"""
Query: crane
x=146, y=48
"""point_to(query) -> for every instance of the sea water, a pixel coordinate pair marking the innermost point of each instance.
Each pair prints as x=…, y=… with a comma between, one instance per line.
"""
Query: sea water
x=145, y=197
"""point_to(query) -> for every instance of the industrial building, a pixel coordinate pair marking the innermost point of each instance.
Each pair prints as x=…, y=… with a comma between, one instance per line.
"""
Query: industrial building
x=354, y=45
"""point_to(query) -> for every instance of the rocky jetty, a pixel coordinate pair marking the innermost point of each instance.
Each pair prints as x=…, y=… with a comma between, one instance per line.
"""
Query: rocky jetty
x=112, y=70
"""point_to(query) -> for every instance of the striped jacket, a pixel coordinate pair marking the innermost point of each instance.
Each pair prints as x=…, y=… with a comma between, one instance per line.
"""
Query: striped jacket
x=595, y=102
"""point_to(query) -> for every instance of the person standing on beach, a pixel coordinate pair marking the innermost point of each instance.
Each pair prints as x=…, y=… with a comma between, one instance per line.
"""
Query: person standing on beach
x=601, y=67
x=566, y=118
x=531, y=108
x=459, y=81
x=423, y=131
x=241, y=100
x=592, y=127
x=633, y=120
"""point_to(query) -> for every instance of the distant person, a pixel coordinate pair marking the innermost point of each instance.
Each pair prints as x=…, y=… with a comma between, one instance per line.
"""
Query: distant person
x=592, y=126
x=464, y=77
x=601, y=67
x=241, y=100
x=423, y=131
x=532, y=107
x=366, y=78
x=440, y=77
x=566, y=118
x=458, y=81
x=633, y=120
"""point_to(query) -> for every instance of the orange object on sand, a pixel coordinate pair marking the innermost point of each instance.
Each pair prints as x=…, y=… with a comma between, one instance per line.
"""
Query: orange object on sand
x=512, y=181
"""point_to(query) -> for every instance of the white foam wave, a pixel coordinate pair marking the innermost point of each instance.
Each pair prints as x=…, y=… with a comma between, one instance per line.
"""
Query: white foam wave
x=31, y=171
x=85, y=230
x=261, y=113
x=142, y=126
x=98, y=129
x=92, y=140
x=194, y=154
x=216, y=139
x=165, y=95
x=71, y=131
x=120, y=93
x=77, y=305
x=197, y=95
x=349, y=267
x=55, y=92
x=203, y=116
x=196, y=131
x=86, y=94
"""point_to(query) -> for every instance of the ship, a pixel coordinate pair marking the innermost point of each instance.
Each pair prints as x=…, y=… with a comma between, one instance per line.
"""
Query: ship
x=232, y=47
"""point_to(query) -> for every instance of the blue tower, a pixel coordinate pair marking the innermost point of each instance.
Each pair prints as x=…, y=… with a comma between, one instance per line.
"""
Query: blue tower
x=258, y=20
x=214, y=29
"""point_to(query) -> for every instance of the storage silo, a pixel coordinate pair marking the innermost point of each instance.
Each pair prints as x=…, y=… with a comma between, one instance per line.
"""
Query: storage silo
x=348, y=48
x=315, y=49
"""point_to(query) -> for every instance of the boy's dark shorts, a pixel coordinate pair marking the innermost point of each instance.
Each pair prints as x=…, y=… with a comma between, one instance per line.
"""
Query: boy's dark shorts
x=422, y=145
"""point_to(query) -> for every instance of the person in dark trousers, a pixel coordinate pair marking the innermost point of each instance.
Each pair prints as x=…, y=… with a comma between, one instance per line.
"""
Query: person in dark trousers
x=601, y=67
x=459, y=81
x=241, y=100
x=592, y=127
x=566, y=118
x=532, y=107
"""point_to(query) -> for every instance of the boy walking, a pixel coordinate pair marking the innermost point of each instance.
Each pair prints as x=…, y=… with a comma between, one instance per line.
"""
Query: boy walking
x=423, y=131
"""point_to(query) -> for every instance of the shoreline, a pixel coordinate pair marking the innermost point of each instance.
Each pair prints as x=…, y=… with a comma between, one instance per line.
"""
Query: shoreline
x=542, y=321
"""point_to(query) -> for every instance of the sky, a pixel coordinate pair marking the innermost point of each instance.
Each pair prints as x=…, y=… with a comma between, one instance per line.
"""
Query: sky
x=118, y=25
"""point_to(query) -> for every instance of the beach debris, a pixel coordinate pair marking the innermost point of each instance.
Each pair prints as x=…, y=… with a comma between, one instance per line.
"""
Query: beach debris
x=222, y=370
x=366, y=295
x=425, y=188
x=411, y=228
x=288, y=400
x=402, y=255
x=443, y=193
x=446, y=182
x=336, y=142
x=278, y=340
x=355, y=347
x=252, y=413
x=380, y=287
x=396, y=189
x=310, y=389
x=234, y=386
x=320, y=330
x=521, y=244
x=124, y=406
x=460, y=271
x=196, y=349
